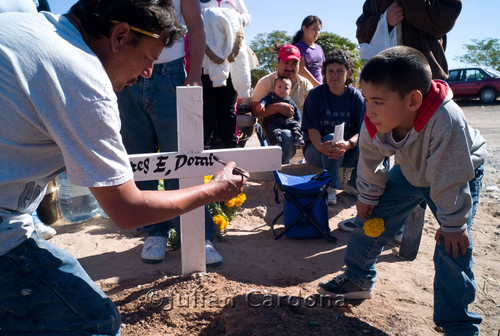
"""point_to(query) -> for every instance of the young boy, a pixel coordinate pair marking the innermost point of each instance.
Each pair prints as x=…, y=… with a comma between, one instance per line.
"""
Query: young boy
x=275, y=123
x=439, y=159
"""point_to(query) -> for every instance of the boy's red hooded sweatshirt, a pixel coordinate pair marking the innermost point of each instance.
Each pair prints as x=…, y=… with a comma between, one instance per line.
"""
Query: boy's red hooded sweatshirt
x=441, y=152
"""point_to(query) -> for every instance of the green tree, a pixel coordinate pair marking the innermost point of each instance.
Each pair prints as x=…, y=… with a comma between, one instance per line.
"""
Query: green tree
x=482, y=52
x=264, y=47
x=329, y=41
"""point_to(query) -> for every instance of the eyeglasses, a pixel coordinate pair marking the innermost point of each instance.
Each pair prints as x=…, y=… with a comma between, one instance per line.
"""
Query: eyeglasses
x=139, y=30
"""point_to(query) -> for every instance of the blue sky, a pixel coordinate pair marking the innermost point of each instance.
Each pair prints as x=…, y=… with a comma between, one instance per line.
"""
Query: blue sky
x=479, y=19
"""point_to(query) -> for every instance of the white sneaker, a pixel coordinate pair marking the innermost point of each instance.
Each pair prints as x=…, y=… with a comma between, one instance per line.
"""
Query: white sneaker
x=398, y=238
x=332, y=197
x=213, y=258
x=153, y=250
x=347, y=225
x=44, y=231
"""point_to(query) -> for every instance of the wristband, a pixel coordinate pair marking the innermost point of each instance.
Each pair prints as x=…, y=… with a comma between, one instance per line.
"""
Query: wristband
x=351, y=143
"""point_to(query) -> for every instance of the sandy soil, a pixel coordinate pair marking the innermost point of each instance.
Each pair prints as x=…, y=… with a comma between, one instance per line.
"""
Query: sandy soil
x=268, y=287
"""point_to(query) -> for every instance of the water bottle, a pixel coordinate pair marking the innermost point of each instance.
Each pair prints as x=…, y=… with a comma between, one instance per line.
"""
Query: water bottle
x=76, y=203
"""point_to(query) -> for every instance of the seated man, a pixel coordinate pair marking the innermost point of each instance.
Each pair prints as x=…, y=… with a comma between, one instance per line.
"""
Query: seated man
x=288, y=66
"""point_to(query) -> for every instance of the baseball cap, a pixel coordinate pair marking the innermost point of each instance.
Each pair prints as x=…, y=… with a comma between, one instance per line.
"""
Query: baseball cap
x=288, y=52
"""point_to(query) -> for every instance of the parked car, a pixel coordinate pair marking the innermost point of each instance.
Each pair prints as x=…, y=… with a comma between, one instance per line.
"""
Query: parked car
x=475, y=82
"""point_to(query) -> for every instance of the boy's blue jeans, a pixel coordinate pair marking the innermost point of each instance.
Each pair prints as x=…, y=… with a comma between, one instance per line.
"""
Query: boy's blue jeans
x=454, y=286
x=148, y=112
x=45, y=291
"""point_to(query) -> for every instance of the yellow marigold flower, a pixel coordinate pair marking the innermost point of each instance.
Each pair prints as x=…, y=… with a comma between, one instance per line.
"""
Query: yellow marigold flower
x=220, y=221
x=240, y=199
x=230, y=203
x=207, y=179
x=374, y=227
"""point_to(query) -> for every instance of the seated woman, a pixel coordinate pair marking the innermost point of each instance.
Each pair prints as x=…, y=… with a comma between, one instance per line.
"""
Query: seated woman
x=327, y=106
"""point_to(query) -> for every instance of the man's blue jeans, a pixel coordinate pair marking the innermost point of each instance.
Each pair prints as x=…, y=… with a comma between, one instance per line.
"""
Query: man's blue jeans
x=318, y=159
x=45, y=291
x=287, y=145
x=454, y=286
x=148, y=112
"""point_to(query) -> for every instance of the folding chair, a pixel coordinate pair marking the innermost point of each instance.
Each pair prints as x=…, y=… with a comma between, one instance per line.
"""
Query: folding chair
x=305, y=210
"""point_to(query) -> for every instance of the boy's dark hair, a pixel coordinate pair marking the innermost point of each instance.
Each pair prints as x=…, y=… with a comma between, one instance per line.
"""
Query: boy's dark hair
x=307, y=22
x=284, y=79
x=401, y=69
x=341, y=57
x=155, y=16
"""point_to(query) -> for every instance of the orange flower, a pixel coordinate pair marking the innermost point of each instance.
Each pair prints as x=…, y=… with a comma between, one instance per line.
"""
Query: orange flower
x=374, y=227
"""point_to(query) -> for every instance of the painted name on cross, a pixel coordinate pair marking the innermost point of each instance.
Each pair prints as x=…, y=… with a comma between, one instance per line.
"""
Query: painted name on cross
x=167, y=164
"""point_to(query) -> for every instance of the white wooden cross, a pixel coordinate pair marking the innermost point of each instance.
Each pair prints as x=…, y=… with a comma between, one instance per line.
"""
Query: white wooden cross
x=191, y=163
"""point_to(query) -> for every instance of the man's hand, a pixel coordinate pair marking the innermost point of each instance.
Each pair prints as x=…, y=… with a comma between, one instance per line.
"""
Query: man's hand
x=364, y=210
x=453, y=241
x=285, y=109
x=230, y=182
x=395, y=14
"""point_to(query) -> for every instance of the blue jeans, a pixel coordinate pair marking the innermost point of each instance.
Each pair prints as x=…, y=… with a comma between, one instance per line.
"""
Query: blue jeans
x=148, y=113
x=45, y=291
x=318, y=159
x=287, y=145
x=454, y=286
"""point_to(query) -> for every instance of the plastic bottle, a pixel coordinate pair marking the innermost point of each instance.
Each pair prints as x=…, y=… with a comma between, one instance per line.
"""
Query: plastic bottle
x=76, y=203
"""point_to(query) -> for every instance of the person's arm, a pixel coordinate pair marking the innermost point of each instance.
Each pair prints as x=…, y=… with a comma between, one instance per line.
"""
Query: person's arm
x=434, y=18
x=306, y=73
x=129, y=207
x=367, y=22
x=194, y=22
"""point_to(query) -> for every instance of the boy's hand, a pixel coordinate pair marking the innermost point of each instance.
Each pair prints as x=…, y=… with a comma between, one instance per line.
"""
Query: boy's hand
x=364, y=210
x=453, y=241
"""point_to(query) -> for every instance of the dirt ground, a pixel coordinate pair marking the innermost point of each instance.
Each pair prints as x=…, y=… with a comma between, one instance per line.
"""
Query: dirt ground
x=268, y=287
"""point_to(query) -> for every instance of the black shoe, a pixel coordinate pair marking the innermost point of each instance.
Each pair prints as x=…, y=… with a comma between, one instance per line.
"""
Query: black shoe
x=341, y=285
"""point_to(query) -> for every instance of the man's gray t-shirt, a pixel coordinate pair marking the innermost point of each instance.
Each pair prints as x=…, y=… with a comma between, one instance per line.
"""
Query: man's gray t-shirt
x=57, y=111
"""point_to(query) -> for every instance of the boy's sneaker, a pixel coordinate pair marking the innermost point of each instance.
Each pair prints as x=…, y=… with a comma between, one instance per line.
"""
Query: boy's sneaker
x=44, y=231
x=332, y=196
x=277, y=135
x=213, y=258
x=347, y=225
x=299, y=142
x=153, y=250
x=341, y=285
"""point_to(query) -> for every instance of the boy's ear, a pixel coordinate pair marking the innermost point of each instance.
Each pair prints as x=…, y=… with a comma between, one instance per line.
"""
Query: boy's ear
x=415, y=100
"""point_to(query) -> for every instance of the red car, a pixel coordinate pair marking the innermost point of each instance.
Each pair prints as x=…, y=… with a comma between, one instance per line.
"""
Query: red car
x=477, y=82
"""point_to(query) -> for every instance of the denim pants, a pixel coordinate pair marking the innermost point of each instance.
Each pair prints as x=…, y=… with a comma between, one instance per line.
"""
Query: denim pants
x=148, y=113
x=318, y=159
x=287, y=145
x=454, y=286
x=45, y=291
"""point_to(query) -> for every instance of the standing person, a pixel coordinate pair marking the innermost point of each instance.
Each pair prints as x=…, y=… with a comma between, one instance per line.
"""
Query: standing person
x=59, y=111
x=327, y=106
x=311, y=54
x=226, y=69
x=148, y=113
x=276, y=122
x=287, y=66
x=424, y=25
x=414, y=118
